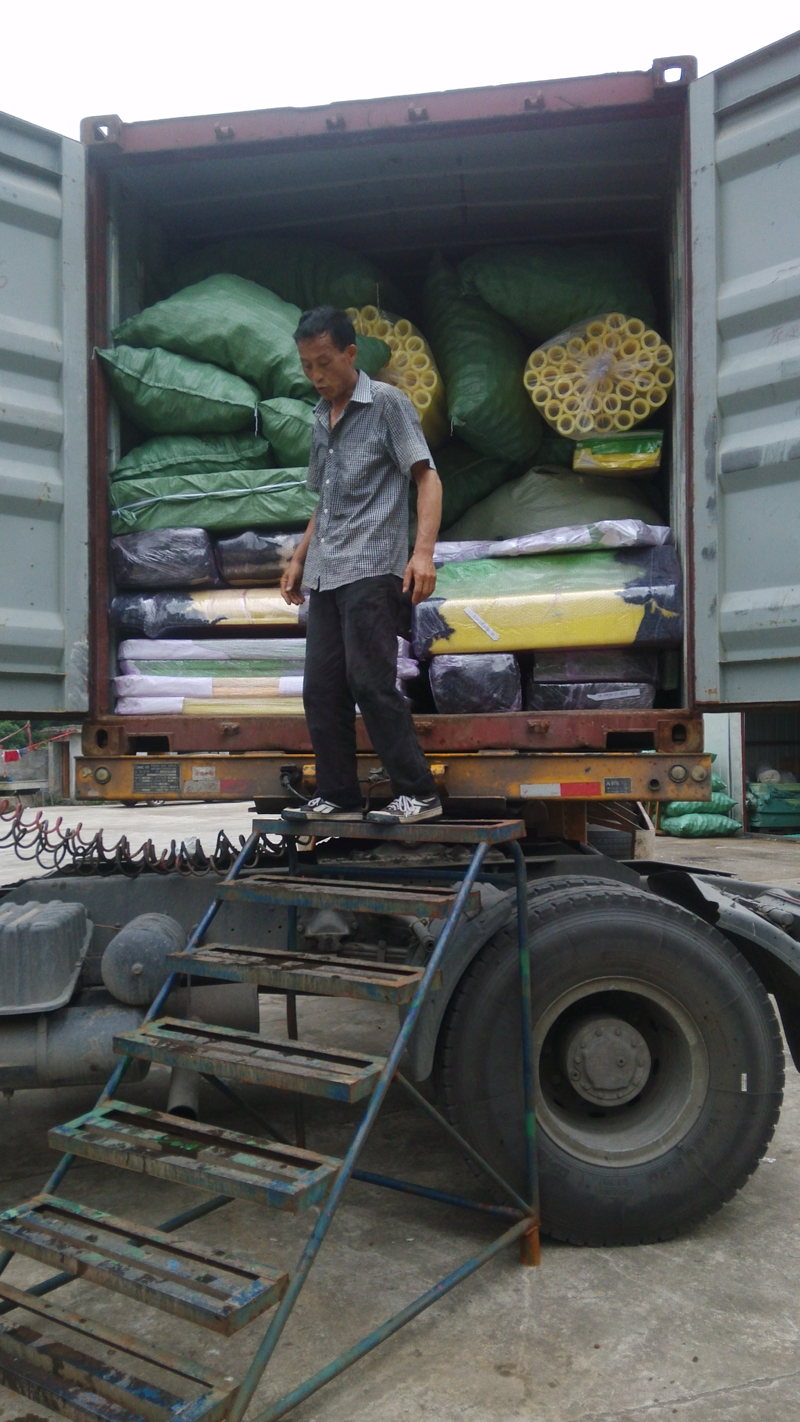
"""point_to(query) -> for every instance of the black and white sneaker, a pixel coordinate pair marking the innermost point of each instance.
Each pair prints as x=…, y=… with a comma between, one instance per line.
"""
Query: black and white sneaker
x=319, y=809
x=407, y=810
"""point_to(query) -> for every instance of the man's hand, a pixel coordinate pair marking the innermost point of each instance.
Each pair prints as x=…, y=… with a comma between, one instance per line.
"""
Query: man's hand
x=291, y=582
x=421, y=573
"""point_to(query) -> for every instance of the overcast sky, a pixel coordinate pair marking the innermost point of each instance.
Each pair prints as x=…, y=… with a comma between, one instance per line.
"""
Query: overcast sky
x=159, y=58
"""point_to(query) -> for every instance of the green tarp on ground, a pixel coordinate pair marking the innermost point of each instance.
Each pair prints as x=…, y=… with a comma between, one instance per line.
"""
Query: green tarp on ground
x=194, y=454
x=552, y=498
x=232, y=323
x=544, y=288
x=482, y=359
x=164, y=393
x=221, y=502
x=299, y=269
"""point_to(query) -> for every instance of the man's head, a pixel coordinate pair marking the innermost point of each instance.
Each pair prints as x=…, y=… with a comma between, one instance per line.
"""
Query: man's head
x=326, y=342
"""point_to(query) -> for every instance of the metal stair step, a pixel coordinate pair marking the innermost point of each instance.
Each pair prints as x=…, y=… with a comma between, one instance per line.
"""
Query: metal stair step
x=352, y=895
x=209, y=1287
x=206, y=1157
x=48, y=1369
x=323, y=975
x=247, y=1056
x=427, y=832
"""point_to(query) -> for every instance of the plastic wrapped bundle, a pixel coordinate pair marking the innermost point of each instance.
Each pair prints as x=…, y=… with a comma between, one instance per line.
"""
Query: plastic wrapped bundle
x=590, y=696
x=608, y=533
x=411, y=367
x=222, y=502
x=638, y=453
x=251, y=558
x=302, y=270
x=232, y=323
x=192, y=706
x=209, y=687
x=174, y=558
x=165, y=393
x=159, y=612
x=719, y=804
x=591, y=599
x=544, y=499
x=603, y=375
x=487, y=682
x=482, y=360
x=194, y=454
x=596, y=664
x=246, y=656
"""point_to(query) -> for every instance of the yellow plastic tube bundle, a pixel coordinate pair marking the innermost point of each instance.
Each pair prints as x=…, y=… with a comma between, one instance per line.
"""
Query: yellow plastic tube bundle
x=604, y=375
x=412, y=368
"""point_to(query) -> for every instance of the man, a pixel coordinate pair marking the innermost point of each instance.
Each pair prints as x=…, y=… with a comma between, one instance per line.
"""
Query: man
x=366, y=445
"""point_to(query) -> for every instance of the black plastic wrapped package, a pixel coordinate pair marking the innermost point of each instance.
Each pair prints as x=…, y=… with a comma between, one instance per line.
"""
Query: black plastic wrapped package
x=477, y=682
x=251, y=558
x=590, y=696
x=164, y=558
x=596, y=664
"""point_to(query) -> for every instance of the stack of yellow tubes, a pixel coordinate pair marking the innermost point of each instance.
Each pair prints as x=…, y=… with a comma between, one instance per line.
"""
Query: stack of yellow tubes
x=411, y=368
x=605, y=375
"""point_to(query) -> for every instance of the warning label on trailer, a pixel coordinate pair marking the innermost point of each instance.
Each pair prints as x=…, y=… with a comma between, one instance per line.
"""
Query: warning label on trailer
x=151, y=778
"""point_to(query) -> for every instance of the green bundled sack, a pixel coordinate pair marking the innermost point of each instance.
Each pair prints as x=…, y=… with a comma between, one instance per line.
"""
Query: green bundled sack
x=482, y=359
x=232, y=323
x=544, y=287
x=287, y=425
x=466, y=477
x=719, y=804
x=195, y=454
x=220, y=502
x=301, y=270
x=373, y=354
x=552, y=498
x=699, y=826
x=165, y=393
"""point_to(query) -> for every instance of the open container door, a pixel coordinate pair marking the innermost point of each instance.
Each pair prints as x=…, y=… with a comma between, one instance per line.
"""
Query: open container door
x=43, y=423
x=745, y=157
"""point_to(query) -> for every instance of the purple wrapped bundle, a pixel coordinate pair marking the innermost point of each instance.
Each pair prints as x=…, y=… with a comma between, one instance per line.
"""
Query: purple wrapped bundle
x=590, y=696
x=476, y=682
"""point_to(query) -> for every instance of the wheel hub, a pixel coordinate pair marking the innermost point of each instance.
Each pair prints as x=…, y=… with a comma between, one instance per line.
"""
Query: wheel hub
x=606, y=1060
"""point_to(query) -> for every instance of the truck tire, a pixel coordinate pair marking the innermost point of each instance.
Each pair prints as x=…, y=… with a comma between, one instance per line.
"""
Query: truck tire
x=658, y=1064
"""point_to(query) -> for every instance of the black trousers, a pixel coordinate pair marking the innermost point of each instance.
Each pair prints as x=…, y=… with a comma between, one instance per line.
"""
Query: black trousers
x=351, y=657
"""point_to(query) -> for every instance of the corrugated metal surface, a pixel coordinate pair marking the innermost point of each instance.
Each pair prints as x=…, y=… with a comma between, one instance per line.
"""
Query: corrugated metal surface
x=745, y=141
x=43, y=435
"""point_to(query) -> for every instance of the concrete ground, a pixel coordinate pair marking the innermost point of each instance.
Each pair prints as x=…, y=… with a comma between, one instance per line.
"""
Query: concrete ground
x=703, y=1329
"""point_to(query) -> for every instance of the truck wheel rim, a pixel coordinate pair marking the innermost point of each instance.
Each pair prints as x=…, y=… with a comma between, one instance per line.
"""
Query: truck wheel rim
x=625, y=1107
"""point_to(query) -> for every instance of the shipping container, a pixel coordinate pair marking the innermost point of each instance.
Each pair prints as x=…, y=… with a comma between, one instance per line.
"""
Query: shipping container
x=700, y=175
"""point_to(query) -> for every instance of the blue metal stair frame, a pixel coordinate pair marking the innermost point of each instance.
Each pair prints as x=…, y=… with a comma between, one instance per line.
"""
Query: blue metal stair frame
x=523, y=1214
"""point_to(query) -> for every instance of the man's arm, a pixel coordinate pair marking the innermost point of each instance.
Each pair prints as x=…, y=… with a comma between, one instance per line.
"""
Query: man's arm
x=293, y=577
x=420, y=570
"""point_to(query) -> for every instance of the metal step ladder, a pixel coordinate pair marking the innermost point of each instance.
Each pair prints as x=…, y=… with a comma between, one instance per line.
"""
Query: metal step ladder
x=209, y=1287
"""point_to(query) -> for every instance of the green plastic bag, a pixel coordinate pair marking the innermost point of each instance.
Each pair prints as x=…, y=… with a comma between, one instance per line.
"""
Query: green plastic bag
x=301, y=270
x=719, y=804
x=194, y=454
x=544, y=288
x=466, y=477
x=700, y=826
x=717, y=783
x=552, y=498
x=165, y=393
x=287, y=424
x=482, y=359
x=220, y=502
x=232, y=323
x=373, y=354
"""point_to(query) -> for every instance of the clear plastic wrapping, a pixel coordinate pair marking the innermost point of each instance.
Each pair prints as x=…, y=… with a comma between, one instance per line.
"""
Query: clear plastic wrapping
x=159, y=612
x=159, y=558
x=251, y=558
x=411, y=367
x=590, y=696
x=243, y=656
x=209, y=687
x=608, y=533
x=638, y=453
x=601, y=376
x=464, y=685
x=199, y=706
x=596, y=664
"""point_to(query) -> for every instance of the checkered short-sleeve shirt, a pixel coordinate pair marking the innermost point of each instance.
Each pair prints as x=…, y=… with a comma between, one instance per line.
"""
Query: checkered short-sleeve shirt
x=361, y=470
